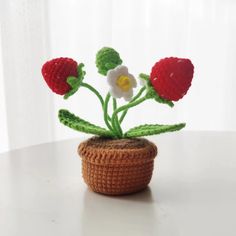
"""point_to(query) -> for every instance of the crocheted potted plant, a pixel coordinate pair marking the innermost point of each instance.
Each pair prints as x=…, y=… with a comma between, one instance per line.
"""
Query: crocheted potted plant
x=114, y=161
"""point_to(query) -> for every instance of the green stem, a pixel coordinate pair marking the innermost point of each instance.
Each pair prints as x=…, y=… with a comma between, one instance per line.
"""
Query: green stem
x=134, y=99
x=117, y=124
x=91, y=88
x=125, y=107
x=105, y=110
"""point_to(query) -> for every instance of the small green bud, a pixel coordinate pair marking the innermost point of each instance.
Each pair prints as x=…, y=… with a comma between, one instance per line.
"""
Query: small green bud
x=107, y=59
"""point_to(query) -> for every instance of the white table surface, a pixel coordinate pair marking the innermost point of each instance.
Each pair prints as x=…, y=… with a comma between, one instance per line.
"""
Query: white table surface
x=192, y=192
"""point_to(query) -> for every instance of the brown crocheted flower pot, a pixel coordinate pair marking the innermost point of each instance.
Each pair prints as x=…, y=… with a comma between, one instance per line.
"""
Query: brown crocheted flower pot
x=117, y=166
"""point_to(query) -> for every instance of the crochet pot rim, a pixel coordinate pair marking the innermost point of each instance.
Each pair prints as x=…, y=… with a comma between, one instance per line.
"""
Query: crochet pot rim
x=107, y=151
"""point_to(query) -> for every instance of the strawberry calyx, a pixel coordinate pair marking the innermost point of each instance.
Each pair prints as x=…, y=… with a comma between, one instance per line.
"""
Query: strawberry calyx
x=75, y=82
x=152, y=93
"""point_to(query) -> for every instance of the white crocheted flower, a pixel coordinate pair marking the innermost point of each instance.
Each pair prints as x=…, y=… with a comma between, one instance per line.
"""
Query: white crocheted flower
x=121, y=82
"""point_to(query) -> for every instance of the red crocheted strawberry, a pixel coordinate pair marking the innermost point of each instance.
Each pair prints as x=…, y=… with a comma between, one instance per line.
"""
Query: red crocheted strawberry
x=171, y=77
x=56, y=72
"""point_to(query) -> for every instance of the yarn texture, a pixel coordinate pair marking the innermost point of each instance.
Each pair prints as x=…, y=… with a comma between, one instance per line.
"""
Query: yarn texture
x=107, y=59
x=146, y=130
x=117, y=166
x=117, y=161
x=168, y=82
x=56, y=72
x=171, y=77
x=76, y=123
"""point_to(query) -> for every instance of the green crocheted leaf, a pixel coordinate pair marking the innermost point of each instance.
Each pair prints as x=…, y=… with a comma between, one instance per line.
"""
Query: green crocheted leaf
x=146, y=130
x=76, y=123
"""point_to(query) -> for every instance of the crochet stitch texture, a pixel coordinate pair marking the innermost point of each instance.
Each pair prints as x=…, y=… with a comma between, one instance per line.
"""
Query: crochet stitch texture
x=107, y=59
x=117, y=167
x=56, y=72
x=169, y=81
x=172, y=77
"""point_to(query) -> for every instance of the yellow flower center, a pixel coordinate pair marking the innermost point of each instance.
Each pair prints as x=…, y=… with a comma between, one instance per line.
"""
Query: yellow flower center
x=124, y=83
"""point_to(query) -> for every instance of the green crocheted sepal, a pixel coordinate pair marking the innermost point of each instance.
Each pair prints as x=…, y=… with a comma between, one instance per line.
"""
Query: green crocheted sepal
x=152, y=93
x=75, y=82
x=107, y=59
x=146, y=130
x=76, y=123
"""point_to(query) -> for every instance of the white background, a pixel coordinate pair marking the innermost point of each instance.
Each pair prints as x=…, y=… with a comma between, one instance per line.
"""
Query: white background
x=142, y=31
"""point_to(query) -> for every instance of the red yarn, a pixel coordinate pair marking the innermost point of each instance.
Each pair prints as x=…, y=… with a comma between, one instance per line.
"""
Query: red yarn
x=171, y=77
x=56, y=72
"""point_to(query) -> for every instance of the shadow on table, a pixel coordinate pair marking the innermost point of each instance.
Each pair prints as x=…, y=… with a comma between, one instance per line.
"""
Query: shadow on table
x=121, y=215
x=143, y=196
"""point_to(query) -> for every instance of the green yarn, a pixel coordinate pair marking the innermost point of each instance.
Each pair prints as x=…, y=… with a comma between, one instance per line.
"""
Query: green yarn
x=107, y=59
x=124, y=108
x=133, y=99
x=76, y=123
x=144, y=76
x=152, y=93
x=105, y=112
x=148, y=129
x=117, y=123
x=74, y=82
x=92, y=89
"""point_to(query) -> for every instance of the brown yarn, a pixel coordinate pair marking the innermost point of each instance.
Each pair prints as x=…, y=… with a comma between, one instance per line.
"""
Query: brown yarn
x=117, y=166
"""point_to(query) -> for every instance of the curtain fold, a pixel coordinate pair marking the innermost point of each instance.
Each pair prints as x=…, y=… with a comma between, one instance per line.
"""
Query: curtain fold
x=24, y=46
